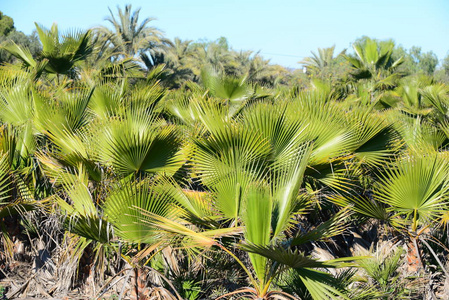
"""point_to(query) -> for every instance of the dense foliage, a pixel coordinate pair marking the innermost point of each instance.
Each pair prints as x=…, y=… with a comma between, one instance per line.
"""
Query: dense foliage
x=133, y=166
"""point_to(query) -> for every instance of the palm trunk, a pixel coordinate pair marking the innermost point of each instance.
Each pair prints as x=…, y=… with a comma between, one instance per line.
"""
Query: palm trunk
x=139, y=290
x=414, y=259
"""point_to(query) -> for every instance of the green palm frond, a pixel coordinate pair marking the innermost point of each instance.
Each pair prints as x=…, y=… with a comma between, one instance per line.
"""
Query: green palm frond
x=197, y=204
x=256, y=216
x=21, y=53
x=373, y=59
x=120, y=208
x=74, y=106
x=438, y=96
x=272, y=122
x=130, y=36
x=287, y=182
x=63, y=51
x=145, y=97
x=189, y=108
x=235, y=91
x=79, y=195
x=364, y=206
x=320, y=60
x=82, y=216
x=4, y=178
x=310, y=284
x=332, y=227
x=374, y=136
x=416, y=188
x=16, y=105
x=183, y=234
x=319, y=284
x=139, y=143
x=15, y=197
x=382, y=268
x=293, y=259
x=419, y=135
x=91, y=228
x=107, y=99
x=228, y=161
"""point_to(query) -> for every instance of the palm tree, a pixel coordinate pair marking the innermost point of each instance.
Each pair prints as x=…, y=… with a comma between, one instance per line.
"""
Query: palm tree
x=321, y=60
x=416, y=190
x=59, y=53
x=180, y=52
x=214, y=55
x=254, y=166
x=373, y=59
x=106, y=143
x=178, y=59
x=265, y=212
x=257, y=69
x=411, y=197
x=130, y=37
x=322, y=64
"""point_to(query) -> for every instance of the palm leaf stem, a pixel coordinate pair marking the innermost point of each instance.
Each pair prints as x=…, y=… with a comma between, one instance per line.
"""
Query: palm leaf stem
x=435, y=256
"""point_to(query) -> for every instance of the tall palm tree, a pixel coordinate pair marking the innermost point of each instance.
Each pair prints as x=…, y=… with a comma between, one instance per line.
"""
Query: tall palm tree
x=178, y=58
x=214, y=55
x=180, y=52
x=130, y=37
x=322, y=62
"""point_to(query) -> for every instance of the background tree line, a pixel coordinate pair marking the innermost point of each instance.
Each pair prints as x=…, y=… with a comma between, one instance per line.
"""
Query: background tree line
x=183, y=60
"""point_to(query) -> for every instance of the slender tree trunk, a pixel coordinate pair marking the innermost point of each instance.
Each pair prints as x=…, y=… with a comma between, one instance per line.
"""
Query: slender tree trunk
x=136, y=283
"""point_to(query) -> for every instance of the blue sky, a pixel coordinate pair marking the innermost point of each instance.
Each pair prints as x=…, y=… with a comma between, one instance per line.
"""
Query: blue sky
x=284, y=31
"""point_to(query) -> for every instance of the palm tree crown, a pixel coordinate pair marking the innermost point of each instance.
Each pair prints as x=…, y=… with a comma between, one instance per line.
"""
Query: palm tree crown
x=130, y=37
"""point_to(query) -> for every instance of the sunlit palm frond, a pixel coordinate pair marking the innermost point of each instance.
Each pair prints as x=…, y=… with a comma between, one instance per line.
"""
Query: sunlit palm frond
x=416, y=188
x=129, y=222
x=139, y=143
x=330, y=228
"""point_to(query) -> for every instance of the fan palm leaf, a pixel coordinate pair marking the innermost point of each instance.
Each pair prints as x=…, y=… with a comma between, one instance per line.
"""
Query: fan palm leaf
x=120, y=208
x=139, y=143
x=416, y=188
